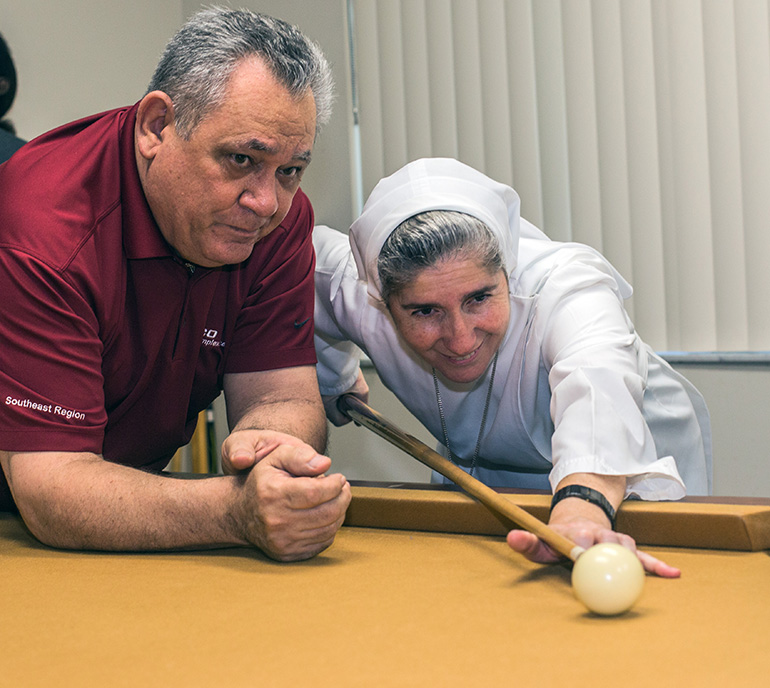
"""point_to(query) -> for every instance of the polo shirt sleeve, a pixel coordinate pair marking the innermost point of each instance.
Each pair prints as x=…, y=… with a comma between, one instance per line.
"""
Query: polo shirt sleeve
x=51, y=386
x=274, y=328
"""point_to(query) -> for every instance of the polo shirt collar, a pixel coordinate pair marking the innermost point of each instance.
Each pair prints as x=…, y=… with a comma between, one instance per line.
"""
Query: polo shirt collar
x=142, y=237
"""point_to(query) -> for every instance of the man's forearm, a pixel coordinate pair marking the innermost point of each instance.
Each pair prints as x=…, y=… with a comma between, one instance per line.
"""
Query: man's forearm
x=79, y=501
x=286, y=400
x=301, y=418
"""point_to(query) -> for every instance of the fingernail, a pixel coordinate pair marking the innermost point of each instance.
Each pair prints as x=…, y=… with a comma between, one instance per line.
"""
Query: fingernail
x=315, y=461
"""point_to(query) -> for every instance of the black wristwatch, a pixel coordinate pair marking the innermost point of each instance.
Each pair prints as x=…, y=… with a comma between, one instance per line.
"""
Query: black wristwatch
x=589, y=495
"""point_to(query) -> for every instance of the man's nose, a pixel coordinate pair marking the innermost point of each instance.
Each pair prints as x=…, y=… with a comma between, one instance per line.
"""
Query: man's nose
x=261, y=196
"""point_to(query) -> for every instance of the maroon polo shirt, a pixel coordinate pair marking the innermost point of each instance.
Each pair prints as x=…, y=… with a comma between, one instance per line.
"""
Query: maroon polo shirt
x=110, y=344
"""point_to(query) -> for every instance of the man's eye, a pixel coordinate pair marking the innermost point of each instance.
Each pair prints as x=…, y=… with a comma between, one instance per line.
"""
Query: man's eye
x=240, y=159
x=291, y=171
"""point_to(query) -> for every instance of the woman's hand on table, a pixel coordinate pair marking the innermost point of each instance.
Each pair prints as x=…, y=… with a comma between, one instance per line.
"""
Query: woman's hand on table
x=584, y=532
x=586, y=524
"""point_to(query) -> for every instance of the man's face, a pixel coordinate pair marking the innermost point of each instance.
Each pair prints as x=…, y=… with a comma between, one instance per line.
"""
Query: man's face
x=232, y=183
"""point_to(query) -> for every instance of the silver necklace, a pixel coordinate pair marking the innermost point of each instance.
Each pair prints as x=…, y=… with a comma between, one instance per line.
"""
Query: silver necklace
x=483, y=417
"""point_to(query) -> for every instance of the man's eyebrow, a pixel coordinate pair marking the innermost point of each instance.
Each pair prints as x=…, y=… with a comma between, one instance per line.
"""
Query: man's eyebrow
x=256, y=144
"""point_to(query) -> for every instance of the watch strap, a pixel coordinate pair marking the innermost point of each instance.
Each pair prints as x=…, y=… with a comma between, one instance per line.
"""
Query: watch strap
x=589, y=495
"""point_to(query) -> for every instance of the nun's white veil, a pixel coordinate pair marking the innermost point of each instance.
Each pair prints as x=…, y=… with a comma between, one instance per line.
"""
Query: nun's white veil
x=433, y=184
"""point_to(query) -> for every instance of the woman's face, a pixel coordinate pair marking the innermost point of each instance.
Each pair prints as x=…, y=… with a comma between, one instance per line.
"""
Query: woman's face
x=454, y=315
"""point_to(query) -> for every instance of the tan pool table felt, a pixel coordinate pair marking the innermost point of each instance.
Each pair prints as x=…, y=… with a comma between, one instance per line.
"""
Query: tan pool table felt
x=379, y=608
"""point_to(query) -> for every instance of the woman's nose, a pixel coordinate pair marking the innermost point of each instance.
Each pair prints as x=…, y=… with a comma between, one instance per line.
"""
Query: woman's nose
x=459, y=335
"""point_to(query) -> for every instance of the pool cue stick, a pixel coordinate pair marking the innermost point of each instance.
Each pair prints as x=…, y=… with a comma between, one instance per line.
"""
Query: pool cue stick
x=363, y=414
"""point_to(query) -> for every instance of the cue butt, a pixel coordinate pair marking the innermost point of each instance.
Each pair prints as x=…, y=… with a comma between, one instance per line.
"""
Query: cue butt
x=361, y=413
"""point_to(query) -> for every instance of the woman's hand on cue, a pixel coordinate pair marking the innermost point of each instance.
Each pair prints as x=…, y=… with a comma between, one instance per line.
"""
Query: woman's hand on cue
x=359, y=389
x=584, y=532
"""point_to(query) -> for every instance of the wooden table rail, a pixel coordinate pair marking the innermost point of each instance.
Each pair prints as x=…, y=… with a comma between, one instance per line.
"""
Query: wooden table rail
x=741, y=524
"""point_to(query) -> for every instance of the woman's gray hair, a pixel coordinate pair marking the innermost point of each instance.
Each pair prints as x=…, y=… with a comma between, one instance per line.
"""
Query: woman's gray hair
x=424, y=240
x=196, y=65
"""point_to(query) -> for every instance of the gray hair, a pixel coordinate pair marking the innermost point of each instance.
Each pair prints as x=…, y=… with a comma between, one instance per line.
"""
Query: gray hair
x=196, y=65
x=424, y=240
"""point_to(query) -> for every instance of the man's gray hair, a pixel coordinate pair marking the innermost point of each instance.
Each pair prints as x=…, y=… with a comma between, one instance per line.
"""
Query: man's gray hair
x=426, y=239
x=196, y=65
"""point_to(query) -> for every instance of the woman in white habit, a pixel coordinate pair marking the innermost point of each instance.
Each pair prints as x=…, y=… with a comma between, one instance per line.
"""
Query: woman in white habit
x=513, y=350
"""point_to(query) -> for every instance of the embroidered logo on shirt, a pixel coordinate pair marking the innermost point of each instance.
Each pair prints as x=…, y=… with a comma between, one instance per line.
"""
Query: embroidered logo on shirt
x=210, y=338
x=300, y=323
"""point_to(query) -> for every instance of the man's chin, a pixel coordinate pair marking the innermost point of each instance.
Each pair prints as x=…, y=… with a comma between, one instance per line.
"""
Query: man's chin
x=231, y=245
x=231, y=254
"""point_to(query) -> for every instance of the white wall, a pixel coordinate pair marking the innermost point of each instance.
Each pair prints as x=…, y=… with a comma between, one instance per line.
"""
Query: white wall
x=738, y=397
x=77, y=57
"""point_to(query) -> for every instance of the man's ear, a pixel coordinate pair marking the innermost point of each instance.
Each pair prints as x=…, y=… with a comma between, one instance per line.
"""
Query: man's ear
x=155, y=113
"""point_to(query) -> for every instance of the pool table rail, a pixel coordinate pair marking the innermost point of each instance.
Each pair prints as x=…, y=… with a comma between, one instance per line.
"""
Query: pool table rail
x=709, y=523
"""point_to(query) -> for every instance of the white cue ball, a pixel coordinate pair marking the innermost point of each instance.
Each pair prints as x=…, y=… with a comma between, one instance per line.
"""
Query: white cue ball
x=608, y=578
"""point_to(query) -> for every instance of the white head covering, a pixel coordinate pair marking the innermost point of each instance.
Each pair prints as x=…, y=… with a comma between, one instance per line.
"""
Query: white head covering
x=433, y=184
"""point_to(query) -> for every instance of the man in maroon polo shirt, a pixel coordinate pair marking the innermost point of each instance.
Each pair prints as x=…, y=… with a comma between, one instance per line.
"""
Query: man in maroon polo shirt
x=151, y=257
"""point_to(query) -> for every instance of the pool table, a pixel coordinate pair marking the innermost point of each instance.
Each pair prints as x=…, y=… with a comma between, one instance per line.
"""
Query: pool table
x=419, y=589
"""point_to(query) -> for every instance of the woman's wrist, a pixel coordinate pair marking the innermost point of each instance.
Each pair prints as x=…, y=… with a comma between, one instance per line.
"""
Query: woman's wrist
x=588, y=495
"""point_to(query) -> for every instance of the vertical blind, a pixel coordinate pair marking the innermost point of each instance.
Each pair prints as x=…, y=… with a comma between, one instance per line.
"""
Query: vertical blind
x=640, y=127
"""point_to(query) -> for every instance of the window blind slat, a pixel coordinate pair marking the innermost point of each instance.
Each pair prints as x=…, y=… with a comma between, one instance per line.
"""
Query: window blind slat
x=580, y=117
x=691, y=256
x=522, y=104
x=644, y=170
x=726, y=175
x=443, y=95
x=392, y=82
x=467, y=69
x=495, y=89
x=753, y=69
x=552, y=116
x=613, y=164
x=418, y=111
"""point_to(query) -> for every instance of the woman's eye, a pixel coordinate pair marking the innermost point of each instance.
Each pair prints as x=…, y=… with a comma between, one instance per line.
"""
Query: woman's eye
x=423, y=311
